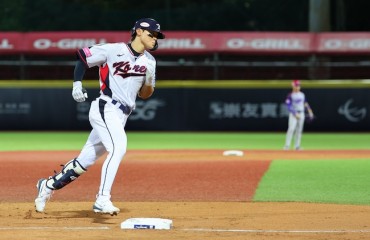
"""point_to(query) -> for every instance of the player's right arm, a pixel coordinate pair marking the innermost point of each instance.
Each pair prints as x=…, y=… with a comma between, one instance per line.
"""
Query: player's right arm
x=87, y=57
x=79, y=94
x=289, y=104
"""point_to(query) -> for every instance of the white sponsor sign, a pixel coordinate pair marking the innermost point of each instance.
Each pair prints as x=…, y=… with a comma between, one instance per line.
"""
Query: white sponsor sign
x=5, y=44
x=66, y=43
x=266, y=44
x=182, y=43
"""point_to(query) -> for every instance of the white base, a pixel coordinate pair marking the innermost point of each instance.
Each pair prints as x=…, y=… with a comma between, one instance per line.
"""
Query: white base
x=233, y=153
x=146, y=223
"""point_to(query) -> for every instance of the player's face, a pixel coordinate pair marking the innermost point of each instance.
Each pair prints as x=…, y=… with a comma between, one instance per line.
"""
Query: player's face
x=296, y=88
x=149, y=38
x=151, y=34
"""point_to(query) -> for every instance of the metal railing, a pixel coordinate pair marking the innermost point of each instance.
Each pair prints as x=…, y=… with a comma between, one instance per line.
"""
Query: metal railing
x=307, y=68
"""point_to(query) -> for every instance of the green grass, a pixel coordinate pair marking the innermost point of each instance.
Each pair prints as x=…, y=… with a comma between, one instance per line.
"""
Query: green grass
x=15, y=141
x=324, y=181
x=327, y=181
x=246, y=140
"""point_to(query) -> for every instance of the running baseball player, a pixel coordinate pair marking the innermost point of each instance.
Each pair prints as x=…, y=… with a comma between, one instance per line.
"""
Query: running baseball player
x=126, y=70
x=297, y=104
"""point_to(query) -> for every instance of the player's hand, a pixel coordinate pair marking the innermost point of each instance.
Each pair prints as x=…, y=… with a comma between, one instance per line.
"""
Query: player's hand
x=79, y=94
x=297, y=115
x=150, y=73
x=311, y=116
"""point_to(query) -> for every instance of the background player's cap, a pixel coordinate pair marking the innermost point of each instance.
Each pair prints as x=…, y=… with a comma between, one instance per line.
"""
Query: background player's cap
x=148, y=24
x=296, y=83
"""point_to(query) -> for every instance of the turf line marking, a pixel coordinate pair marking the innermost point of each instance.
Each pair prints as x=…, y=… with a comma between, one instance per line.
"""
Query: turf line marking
x=274, y=231
x=54, y=228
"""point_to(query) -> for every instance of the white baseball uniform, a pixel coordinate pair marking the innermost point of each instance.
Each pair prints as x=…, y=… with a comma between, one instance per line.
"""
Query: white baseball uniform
x=295, y=102
x=122, y=74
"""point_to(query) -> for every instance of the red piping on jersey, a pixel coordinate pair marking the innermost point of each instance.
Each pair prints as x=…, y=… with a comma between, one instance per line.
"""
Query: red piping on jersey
x=104, y=71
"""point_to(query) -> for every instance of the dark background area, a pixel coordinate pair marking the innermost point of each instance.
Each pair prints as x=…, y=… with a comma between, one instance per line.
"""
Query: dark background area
x=188, y=15
x=190, y=109
x=215, y=15
x=24, y=109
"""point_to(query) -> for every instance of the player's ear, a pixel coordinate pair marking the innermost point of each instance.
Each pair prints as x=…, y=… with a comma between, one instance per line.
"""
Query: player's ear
x=139, y=31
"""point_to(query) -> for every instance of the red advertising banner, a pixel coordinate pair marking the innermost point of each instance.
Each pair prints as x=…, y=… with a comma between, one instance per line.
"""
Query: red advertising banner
x=186, y=42
x=266, y=42
x=11, y=42
x=358, y=43
x=66, y=42
x=235, y=42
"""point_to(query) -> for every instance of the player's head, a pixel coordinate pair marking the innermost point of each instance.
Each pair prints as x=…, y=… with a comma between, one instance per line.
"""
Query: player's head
x=152, y=27
x=296, y=83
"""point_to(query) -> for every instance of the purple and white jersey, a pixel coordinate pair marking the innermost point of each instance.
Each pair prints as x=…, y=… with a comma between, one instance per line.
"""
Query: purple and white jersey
x=121, y=73
x=295, y=102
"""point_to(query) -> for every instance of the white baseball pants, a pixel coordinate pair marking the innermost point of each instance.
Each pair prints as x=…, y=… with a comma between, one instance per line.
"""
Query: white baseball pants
x=295, y=127
x=108, y=135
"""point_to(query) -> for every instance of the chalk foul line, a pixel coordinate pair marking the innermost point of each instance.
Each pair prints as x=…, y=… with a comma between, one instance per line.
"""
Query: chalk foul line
x=194, y=230
x=273, y=231
x=54, y=228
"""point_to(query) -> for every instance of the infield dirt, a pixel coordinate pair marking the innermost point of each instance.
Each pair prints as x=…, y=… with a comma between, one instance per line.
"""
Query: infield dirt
x=206, y=194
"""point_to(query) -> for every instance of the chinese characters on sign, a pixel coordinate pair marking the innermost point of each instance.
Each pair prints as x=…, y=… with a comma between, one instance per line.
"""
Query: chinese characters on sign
x=237, y=110
x=15, y=108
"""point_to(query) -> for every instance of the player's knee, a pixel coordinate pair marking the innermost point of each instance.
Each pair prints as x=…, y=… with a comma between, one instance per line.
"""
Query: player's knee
x=120, y=152
x=70, y=172
x=118, y=149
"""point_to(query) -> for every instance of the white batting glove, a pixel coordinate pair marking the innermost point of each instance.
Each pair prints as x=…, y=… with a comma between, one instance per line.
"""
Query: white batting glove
x=150, y=73
x=79, y=94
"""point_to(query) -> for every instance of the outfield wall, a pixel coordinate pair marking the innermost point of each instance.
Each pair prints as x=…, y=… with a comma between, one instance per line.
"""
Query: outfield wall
x=191, y=106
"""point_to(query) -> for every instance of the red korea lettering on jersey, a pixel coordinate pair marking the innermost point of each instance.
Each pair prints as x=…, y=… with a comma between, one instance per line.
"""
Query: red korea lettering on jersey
x=123, y=68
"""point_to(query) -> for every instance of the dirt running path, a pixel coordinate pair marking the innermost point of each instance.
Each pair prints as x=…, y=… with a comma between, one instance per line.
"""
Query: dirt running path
x=206, y=194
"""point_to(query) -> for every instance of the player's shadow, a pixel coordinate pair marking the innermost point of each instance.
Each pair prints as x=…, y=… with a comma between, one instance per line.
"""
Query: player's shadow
x=85, y=214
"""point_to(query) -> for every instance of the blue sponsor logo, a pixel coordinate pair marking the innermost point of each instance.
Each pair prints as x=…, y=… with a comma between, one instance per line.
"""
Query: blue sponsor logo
x=144, y=226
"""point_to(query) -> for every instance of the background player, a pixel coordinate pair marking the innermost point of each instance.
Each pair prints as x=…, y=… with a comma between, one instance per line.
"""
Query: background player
x=297, y=104
x=125, y=71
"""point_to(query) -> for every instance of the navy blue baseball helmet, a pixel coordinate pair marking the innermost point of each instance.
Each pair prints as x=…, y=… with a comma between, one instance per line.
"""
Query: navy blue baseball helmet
x=148, y=24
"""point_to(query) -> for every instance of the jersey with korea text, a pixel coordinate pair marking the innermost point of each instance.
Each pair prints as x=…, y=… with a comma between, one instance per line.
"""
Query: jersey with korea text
x=121, y=73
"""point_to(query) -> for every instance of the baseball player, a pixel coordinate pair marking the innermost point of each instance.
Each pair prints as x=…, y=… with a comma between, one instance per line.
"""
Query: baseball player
x=126, y=70
x=297, y=104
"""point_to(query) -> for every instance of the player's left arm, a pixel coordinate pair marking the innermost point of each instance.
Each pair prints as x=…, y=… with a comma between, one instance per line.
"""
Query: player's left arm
x=149, y=82
x=146, y=91
x=309, y=110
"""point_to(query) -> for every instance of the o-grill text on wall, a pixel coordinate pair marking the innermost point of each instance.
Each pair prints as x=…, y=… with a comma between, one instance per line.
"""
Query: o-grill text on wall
x=193, y=42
